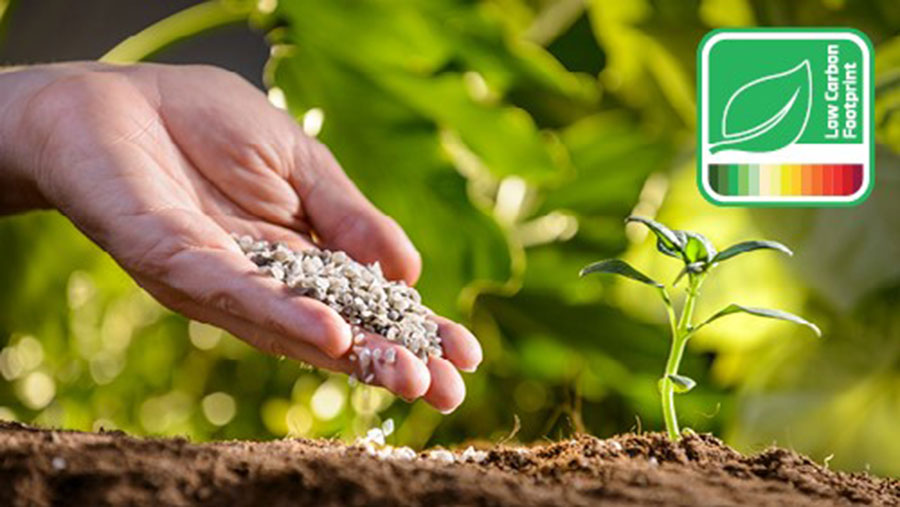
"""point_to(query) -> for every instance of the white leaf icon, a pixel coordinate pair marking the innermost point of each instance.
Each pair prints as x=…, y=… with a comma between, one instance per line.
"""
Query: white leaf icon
x=791, y=89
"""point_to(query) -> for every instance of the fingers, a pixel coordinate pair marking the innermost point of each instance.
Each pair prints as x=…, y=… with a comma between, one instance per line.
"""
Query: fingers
x=226, y=289
x=260, y=338
x=380, y=361
x=392, y=367
x=279, y=346
x=405, y=375
x=399, y=371
x=345, y=220
x=228, y=282
x=460, y=346
x=447, y=389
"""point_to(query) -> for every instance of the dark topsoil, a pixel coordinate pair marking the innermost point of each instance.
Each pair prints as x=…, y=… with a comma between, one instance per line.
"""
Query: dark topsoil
x=39, y=467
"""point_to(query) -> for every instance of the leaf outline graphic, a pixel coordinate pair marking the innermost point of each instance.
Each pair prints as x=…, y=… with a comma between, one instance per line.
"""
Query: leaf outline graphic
x=737, y=138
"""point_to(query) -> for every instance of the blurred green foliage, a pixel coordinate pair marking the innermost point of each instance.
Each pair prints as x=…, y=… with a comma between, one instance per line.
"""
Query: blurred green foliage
x=509, y=138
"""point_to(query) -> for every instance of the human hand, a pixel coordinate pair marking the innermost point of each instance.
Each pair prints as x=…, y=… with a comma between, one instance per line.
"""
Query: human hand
x=159, y=164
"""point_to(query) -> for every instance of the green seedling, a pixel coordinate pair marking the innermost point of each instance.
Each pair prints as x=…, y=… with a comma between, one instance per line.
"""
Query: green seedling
x=699, y=257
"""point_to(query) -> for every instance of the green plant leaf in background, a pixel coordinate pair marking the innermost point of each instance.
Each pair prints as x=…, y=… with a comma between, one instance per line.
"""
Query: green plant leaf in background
x=425, y=60
x=749, y=122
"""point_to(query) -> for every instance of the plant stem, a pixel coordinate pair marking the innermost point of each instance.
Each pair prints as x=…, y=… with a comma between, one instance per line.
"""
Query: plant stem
x=191, y=21
x=680, y=335
x=667, y=389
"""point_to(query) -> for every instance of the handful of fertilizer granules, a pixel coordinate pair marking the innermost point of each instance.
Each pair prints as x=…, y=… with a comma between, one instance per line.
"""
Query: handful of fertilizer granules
x=358, y=292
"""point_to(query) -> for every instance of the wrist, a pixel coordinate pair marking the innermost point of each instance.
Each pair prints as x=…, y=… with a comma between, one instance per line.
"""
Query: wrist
x=18, y=186
x=23, y=132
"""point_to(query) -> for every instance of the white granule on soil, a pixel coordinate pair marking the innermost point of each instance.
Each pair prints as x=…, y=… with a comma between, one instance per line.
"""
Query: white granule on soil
x=376, y=436
x=404, y=453
x=58, y=463
x=358, y=292
x=474, y=455
x=374, y=445
x=441, y=455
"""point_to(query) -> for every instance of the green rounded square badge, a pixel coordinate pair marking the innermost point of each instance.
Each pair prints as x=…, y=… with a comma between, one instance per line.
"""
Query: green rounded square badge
x=785, y=117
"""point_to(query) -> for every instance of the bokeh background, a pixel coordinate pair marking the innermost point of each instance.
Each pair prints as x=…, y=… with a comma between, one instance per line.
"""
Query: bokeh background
x=510, y=138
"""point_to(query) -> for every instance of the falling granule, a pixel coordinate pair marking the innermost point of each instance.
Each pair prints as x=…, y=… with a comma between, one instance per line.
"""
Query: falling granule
x=359, y=293
x=387, y=427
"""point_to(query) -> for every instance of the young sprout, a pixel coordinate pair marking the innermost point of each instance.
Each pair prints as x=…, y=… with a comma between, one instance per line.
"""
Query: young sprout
x=699, y=256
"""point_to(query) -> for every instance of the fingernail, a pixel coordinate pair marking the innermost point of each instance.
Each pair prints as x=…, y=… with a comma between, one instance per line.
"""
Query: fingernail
x=346, y=336
x=335, y=346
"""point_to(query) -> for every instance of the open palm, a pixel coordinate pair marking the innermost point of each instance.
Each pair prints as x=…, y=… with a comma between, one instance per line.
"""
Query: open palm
x=160, y=164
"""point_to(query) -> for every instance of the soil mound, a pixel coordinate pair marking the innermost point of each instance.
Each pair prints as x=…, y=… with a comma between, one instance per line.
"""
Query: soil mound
x=41, y=467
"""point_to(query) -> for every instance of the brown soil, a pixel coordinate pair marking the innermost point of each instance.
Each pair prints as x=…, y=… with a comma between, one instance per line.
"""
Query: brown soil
x=39, y=467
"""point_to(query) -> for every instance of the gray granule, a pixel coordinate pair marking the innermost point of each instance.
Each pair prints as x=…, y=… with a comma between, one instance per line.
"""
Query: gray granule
x=358, y=292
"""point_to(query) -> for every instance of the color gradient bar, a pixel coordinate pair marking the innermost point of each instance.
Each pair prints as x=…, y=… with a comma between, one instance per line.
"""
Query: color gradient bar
x=779, y=180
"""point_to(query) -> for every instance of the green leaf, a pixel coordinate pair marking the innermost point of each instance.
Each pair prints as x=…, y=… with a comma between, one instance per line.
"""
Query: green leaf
x=767, y=113
x=595, y=144
x=619, y=267
x=418, y=61
x=668, y=242
x=698, y=248
x=673, y=252
x=761, y=312
x=749, y=246
x=681, y=383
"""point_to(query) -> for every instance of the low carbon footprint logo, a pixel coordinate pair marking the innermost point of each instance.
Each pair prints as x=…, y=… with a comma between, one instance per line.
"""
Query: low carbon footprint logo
x=785, y=117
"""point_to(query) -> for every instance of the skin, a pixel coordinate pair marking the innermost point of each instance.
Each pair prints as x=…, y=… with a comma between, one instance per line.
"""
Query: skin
x=159, y=164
